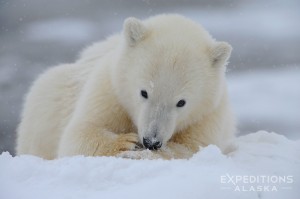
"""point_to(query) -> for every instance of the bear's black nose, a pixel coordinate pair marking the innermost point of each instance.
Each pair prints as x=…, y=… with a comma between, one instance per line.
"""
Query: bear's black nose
x=151, y=145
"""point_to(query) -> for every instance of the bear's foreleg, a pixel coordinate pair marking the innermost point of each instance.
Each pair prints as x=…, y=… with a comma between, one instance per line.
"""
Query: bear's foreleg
x=90, y=140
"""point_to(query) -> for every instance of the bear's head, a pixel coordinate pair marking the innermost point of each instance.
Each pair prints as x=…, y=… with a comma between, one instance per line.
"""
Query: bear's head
x=168, y=75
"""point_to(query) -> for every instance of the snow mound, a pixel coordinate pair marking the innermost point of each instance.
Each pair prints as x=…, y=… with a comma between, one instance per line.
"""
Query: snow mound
x=262, y=165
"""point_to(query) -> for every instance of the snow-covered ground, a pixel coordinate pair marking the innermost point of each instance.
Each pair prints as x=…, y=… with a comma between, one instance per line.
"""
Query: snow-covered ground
x=276, y=105
x=35, y=35
x=68, y=31
x=262, y=165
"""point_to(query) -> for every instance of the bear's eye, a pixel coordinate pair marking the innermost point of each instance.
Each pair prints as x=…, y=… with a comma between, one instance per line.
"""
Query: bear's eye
x=144, y=94
x=180, y=103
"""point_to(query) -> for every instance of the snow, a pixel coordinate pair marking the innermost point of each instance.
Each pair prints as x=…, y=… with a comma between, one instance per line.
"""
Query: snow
x=277, y=101
x=276, y=22
x=208, y=174
x=265, y=35
x=66, y=30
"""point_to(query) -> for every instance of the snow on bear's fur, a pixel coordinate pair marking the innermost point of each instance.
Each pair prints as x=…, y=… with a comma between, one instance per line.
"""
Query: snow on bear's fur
x=160, y=85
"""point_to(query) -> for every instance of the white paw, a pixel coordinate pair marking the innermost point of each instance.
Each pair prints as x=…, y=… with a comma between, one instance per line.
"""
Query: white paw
x=143, y=154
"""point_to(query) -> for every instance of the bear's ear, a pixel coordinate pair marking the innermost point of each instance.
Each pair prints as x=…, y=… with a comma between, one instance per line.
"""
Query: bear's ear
x=220, y=53
x=134, y=30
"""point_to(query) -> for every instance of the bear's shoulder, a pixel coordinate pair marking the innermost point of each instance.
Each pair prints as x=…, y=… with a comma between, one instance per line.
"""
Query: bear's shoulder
x=99, y=49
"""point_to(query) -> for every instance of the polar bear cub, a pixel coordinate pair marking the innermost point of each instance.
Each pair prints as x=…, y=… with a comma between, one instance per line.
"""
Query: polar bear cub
x=158, y=85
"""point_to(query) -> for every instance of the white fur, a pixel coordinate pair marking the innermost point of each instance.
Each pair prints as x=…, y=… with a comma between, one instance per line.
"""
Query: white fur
x=94, y=106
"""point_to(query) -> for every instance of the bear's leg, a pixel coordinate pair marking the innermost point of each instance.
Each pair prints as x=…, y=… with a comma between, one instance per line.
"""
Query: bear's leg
x=171, y=151
x=91, y=140
x=175, y=151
